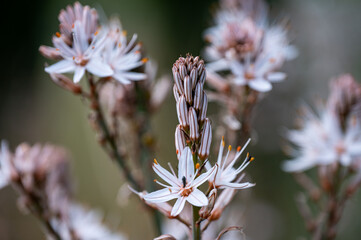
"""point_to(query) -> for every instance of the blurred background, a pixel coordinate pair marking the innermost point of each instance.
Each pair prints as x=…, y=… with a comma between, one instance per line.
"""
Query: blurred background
x=33, y=109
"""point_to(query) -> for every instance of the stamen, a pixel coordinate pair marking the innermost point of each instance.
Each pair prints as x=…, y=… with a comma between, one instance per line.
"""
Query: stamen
x=252, y=158
x=238, y=148
x=223, y=143
x=119, y=44
x=57, y=49
x=58, y=34
x=229, y=148
x=177, y=151
x=96, y=33
x=72, y=26
x=144, y=60
x=155, y=180
x=137, y=52
x=124, y=33
x=73, y=57
x=155, y=161
x=198, y=166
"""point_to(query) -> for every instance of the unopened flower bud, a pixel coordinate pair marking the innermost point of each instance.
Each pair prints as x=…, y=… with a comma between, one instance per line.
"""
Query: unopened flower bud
x=206, y=140
x=178, y=80
x=175, y=93
x=193, y=125
x=180, y=142
x=64, y=82
x=182, y=112
x=204, y=107
x=50, y=53
x=182, y=71
x=188, y=89
x=198, y=97
x=194, y=76
x=206, y=211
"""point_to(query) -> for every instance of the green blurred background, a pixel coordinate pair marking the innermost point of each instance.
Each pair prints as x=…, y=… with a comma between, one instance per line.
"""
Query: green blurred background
x=33, y=109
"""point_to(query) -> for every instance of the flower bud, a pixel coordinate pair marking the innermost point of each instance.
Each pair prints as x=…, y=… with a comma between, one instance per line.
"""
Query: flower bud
x=178, y=80
x=188, y=89
x=194, y=76
x=180, y=142
x=206, y=211
x=206, y=140
x=182, y=112
x=198, y=97
x=165, y=237
x=204, y=107
x=193, y=125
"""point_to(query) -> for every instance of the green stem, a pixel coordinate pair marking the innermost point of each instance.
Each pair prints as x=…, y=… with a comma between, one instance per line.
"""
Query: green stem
x=195, y=224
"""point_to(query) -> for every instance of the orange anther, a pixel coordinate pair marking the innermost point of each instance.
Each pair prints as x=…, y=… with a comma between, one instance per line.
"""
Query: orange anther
x=58, y=34
x=144, y=60
x=198, y=166
x=238, y=148
x=155, y=161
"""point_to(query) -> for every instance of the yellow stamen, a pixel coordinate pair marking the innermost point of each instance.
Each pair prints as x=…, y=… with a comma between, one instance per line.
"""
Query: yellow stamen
x=124, y=33
x=96, y=33
x=198, y=166
x=155, y=161
x=144, y=60
x=223, y=141
x=155, y=180
x=252, y=158
x=248, y=155
x=177, y=151
x=229, y=148
x=58, y=34
x=74, y=58
x=238, y=148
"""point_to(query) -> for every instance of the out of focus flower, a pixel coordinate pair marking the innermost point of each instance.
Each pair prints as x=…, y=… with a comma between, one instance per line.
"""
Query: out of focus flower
x=226, y=173
x=242, y=42
x=183, y=187
x=82, y=55
x=333, y=136
x=123, y=56
x=85, y=225
x=5, y=165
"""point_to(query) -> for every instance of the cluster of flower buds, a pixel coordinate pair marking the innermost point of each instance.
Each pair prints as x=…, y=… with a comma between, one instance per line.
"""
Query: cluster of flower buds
x=82, y=45
x=194, y=129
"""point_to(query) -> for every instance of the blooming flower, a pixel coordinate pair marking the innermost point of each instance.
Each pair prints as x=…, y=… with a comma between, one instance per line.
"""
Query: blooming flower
x=246, y=46
x=226, y=173
x=183, y=187
x=84, y=224
x=123, y=56
x=82, y=56
x=321, y=141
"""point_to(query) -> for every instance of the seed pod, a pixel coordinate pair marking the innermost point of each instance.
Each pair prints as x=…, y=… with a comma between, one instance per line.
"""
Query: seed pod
x=182, y=112
x=206, y=140
x=193, y=124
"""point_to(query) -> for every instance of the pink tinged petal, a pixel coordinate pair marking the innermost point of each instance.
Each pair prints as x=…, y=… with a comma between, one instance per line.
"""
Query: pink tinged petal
x=219, y=65
x=61, y=67
x=99, y=68
x=186, y=165
x=237, y=68
x=260, y=85
x=78, y=74
x=204, y=177
x=236, y=185
x=197, y=198
x=240, y=80
x=276, y=76
x=178, y=206
x=165, y=175
x=162, y=195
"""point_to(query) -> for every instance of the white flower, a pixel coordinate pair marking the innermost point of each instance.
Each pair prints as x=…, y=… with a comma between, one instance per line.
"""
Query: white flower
x=82, y=56
x=5, y=165
x=183, y=187
x=226, y=174
x=85, y=224
x=123, y=56
x=321, y=141
x=247, y=47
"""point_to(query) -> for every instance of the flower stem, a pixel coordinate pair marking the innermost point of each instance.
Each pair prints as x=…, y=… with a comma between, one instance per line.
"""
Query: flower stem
x=108, y=137
x=195, y=224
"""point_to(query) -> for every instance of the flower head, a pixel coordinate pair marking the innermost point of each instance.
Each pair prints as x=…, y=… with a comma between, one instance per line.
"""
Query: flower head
x=182, y=187
x=226, y=174
x=332, y=136
x=241, y=42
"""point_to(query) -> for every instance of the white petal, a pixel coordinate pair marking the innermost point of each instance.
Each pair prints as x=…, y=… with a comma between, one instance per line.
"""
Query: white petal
x=119, y=77
x=276, y=76
x=186, y=165
x=61, y=67
x=162, y=195
x=197, y=198
x=79, y=73
x=204, y=176
x=134, y=76
x=236, y=185
x=165, y=175
x=260, y=85
x=345, y=159
x=219, y=65
x=298, y=165
x=99, y=68
x=178, y=206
